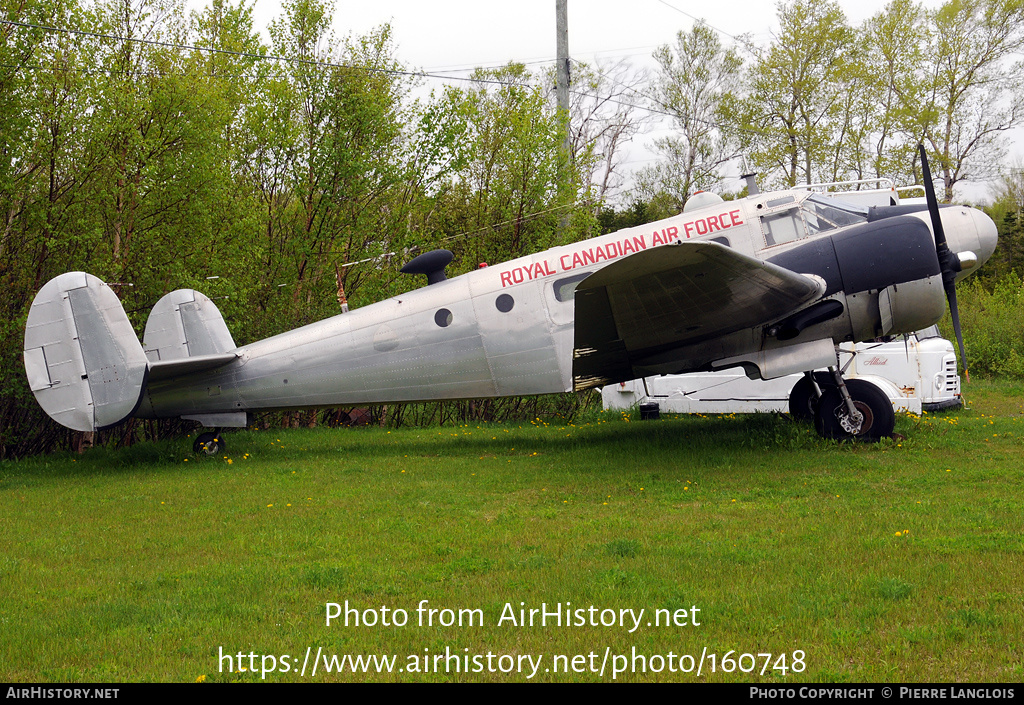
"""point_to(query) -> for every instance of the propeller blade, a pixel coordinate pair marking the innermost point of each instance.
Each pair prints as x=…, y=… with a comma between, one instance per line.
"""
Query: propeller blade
x=955, y=314
x=949, y=263
x=933, y=206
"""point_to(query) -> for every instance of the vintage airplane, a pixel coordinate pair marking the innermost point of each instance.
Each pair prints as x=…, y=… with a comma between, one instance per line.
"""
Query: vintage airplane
x=772, y=282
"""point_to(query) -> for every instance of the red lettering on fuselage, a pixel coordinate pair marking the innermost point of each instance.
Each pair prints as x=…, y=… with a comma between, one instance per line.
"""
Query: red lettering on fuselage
x=713, y=223
x=615, y=249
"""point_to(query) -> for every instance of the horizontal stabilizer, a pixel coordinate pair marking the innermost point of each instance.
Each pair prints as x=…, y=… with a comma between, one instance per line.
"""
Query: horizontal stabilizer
x=184, y=324
x=83, y=359
x=167, y=369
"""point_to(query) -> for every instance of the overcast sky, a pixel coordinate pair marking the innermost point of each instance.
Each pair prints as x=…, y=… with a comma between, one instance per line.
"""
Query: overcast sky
x=455, y=36
x=465, y=33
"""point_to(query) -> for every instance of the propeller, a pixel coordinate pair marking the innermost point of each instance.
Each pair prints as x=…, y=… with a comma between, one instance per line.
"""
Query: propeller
x=949, y=263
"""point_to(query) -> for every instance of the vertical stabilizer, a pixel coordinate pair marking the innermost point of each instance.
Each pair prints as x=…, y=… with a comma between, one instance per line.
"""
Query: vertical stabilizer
x=185, y=323
x=83, y=360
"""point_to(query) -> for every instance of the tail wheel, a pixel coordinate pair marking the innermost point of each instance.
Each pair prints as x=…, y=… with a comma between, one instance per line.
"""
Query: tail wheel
x=209, y=444
x=833, y=418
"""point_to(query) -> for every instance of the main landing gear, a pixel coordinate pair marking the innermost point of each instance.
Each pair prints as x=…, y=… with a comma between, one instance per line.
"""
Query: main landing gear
x=842, y=409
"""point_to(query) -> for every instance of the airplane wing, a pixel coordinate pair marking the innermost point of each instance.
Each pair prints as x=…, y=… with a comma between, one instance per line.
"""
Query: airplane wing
x=671, y=296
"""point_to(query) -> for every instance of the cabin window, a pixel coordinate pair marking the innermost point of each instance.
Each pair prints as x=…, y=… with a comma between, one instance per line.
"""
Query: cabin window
x=443, y=317
x=504, y=303
x=565, y=289
x=721, y=241
x=779, y=202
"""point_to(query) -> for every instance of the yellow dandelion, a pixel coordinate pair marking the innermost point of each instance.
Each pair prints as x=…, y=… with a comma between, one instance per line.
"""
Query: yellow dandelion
x=201, y=679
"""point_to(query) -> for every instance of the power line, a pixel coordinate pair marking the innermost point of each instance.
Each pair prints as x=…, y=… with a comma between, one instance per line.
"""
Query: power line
x=753, y=48
x=259, y=57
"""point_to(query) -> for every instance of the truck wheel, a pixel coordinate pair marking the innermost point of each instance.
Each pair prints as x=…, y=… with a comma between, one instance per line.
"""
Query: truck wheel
x=803, y=402
x=832, y=419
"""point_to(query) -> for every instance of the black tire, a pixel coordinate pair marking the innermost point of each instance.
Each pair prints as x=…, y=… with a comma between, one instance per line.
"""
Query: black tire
x=209, y=444
x=872, y=402
x=803, y=401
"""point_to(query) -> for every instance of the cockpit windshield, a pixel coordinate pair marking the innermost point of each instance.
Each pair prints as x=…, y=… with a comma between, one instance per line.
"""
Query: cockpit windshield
x=822, y=213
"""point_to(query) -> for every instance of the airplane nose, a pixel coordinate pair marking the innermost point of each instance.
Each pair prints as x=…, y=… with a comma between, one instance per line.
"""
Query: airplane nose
x=987, y=235
x=969, y=230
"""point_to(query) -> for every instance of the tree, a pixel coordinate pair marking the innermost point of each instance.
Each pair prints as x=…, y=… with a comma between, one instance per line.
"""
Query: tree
x=971, y=94
x=1007, y=211
x=791, y=118
x=696, y=81
x=894, y=40
x=505, y=202
x=327, y=157
x=603, y=119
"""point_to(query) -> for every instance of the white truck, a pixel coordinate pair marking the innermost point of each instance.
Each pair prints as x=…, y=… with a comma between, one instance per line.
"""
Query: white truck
x=916, y=374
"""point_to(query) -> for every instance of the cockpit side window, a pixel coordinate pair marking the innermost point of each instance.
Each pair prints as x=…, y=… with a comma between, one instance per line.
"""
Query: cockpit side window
x=782, y=227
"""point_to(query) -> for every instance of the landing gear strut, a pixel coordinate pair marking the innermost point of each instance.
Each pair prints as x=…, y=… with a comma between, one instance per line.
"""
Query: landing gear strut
x=854, y=409
x=209, y=443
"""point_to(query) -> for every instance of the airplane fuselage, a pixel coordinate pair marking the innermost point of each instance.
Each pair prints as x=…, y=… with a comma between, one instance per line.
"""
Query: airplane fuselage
x=508, y=329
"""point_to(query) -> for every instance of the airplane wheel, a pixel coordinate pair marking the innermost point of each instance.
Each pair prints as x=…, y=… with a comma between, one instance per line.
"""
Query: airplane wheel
x=209, y=444
x=832, y=419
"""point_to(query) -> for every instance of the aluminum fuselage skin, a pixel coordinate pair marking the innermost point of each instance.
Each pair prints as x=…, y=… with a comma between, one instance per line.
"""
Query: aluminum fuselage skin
x=508, y=329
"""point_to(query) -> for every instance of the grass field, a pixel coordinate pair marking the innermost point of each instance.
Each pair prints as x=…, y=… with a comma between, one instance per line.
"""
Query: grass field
x=902, y=561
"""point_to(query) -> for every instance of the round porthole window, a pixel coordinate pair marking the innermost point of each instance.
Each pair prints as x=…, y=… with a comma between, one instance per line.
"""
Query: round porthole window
x=443, y=318
x=504, y=303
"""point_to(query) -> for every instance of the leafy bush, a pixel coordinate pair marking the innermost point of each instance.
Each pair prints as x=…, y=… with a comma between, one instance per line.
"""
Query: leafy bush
x=993, y=326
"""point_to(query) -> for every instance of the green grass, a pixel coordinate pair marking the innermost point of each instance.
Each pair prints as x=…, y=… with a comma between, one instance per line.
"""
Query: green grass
x=902, y=561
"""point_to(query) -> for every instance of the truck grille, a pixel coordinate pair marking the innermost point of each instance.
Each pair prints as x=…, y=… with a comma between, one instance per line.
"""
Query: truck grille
x=952, y=379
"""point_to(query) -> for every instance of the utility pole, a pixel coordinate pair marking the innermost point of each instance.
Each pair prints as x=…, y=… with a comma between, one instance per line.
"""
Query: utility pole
x=562, y=96
x=562, y=64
